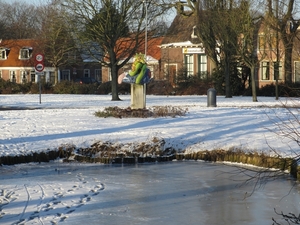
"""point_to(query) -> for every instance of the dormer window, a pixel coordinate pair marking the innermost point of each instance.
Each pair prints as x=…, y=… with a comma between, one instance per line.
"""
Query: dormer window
x=25, y=53
x=193, y=35
x=4, y=53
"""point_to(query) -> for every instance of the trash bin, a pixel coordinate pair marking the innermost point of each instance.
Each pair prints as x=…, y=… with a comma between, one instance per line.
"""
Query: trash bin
x=211, y=97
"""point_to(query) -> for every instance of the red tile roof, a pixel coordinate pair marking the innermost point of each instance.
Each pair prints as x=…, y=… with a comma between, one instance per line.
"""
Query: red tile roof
x=153, y=48
x=13, y=57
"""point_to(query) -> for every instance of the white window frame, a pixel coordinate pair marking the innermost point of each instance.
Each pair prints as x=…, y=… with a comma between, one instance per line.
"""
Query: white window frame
x=23, y=76
x=202, y=63
x=52, y=77
x=297, y=71
x=189, y=64
x=33, y=76
x=3, y=53
x=13, y=76
x=265, y=70
x=25, y=53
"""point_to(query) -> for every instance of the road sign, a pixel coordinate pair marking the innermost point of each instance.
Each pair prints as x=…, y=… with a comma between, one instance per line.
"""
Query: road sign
x=39, y=57
x=39, y=67
x=39, y=73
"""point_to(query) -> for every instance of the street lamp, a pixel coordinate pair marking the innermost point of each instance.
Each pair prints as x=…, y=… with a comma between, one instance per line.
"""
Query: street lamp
x=146, y=37
x=146, y=27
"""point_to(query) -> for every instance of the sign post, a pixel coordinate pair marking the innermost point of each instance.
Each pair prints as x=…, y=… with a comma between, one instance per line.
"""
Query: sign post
x=39, y=68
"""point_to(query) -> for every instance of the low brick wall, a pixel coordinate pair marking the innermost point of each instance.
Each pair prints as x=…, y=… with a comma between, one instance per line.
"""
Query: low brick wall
x=260, y=160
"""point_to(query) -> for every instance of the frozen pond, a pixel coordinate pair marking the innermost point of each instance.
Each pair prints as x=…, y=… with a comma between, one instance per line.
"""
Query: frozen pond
x=158, y=193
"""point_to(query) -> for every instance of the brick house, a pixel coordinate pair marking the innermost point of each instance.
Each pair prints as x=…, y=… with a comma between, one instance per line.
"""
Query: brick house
x=180, y=52
x=84, y=62
x=17, y=62
x=269, y=50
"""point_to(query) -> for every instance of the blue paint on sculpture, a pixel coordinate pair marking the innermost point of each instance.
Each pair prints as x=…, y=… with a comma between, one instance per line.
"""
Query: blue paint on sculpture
x=139, y=73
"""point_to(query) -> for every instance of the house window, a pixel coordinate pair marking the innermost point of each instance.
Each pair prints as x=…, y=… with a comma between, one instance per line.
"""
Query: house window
x=267, y=42
x=297, y=71
x=65, y=75
x=193, y=35
x=261, y=42
x=280, y=72
x=189, y=64
x=98, y=75
x=265, y=68
x=12, y=76
x=202, y=63
x=25, y=53
x=52, y=77
x=3, y=53
x=86, y=73
x=23, y=74
x=32, y=76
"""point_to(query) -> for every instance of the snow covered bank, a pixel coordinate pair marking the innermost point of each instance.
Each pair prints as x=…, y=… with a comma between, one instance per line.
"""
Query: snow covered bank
x=68, y=120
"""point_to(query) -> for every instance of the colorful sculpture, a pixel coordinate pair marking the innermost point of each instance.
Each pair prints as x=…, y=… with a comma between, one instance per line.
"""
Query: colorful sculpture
x=139, y=73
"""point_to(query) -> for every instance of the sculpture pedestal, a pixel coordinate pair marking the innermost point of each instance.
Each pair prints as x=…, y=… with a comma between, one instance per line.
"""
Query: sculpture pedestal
x=138, y=96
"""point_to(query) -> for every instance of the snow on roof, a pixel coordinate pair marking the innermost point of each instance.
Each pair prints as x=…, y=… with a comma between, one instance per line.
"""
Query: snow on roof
x=181, y=44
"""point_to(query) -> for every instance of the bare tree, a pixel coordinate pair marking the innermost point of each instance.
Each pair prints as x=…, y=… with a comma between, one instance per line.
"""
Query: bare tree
x=289, y=218
x=280, y=17
x=18, y=20
x=248, y=42
x=117, y=27
x=219, y=26
x=54, y=37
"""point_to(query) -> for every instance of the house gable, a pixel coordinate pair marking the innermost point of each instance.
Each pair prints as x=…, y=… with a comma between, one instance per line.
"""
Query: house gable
x=182, y=29
x=17, y=53
x=182, y=51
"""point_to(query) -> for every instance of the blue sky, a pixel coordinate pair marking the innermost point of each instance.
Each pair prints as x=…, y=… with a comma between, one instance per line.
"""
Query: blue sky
x=34, y=2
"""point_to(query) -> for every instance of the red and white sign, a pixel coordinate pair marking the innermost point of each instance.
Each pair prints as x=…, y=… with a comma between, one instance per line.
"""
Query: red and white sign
x=39, y=62
x=39, y=67
x=39, y=57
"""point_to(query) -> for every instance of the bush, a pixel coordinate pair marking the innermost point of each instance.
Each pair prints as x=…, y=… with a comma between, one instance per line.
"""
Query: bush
x=70, y=87
x=193, y=85
x=105, y=88
x=160, y=87
x=156, y=111
x=8, y=87
x=291, y=90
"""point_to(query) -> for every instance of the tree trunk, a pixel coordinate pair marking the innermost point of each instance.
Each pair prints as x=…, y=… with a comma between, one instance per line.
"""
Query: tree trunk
x=288, y=63
x=227, y=77
x=56, y=75
x=114, y=82
x=253, y=84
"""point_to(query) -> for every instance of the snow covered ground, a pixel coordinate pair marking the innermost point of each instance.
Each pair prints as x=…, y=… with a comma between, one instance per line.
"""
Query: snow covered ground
x=69, y=119
x=53, y=193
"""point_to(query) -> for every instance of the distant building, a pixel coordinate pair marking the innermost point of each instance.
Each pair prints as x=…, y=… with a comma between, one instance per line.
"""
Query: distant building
x=181, y=52
x=17, y=62
x=153, y=56
x=85, y=61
